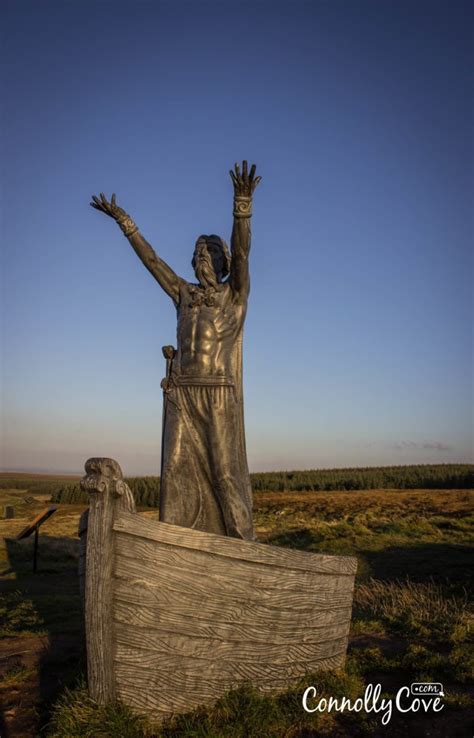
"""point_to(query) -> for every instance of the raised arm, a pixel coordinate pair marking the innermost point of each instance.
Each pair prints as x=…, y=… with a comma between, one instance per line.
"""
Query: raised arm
x=164, y=275
x=244, y=186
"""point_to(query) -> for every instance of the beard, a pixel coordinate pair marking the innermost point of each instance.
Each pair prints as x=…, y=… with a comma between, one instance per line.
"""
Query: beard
x=205, y=273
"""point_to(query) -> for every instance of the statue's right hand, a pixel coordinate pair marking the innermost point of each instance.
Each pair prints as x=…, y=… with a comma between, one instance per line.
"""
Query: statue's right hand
x=109, y=208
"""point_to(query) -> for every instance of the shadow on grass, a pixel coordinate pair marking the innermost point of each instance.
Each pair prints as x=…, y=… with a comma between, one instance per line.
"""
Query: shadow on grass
x=44, y=621
x=448, y=564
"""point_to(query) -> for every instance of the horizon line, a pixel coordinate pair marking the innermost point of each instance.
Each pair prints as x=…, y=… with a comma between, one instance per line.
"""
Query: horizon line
x=59, y=472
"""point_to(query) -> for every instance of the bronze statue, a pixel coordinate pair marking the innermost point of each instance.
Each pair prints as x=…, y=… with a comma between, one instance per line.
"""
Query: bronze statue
x=205, y=481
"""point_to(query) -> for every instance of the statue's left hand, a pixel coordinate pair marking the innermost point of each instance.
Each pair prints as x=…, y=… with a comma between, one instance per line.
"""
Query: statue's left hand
x=109, y=208
x=245, y=183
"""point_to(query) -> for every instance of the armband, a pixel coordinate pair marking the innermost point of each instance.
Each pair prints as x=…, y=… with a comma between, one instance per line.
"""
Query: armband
x=127, y=225
x=242, y=207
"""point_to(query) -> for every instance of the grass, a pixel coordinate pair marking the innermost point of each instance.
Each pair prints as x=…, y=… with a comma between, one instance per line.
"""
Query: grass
x=242, y=713
x=407, y=605
x=411, y=620
x=76, y=714
x=435, y=627
x=18, y=615
x=16, y=676
x=420, y=534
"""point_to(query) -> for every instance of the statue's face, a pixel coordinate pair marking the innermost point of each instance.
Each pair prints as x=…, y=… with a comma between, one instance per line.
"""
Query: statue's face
x=209, y=251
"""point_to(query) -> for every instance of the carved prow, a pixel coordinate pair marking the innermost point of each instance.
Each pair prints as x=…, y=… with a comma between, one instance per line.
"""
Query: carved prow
x=109, y=496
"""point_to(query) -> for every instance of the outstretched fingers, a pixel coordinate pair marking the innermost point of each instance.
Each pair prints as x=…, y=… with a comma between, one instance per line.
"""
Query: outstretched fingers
x=96, y=203
x=246, y=182
x=103, y=205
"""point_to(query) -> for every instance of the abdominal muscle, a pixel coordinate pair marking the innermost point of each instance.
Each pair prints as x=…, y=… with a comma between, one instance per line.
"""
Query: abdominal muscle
x=206, y=336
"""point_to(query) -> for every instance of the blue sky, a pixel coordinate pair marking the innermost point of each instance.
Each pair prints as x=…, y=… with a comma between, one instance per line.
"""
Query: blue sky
x=358, y=343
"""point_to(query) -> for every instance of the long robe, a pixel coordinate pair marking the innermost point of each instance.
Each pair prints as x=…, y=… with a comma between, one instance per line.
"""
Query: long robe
x=205, y=479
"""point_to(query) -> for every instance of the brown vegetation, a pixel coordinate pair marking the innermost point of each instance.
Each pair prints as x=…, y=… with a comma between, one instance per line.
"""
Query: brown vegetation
x=410, y=618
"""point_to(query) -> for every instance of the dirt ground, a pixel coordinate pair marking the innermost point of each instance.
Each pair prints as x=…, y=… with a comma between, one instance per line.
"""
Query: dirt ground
x=43, y=662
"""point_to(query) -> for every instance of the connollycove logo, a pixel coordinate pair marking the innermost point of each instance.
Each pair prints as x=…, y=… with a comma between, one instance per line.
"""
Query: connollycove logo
x=419, y=697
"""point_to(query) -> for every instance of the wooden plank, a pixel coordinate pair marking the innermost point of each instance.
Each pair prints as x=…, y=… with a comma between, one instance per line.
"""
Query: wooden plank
x=312, y=629
x=234, y=548
x=162, y=693
x=161, y=563
x=99, y=555
x=108, y=495
x=195, y=583
x=148, y=647
x=258, y=606
x=208, y=670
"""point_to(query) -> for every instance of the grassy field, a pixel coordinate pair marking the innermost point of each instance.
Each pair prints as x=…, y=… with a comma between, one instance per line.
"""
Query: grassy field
x=410, y=620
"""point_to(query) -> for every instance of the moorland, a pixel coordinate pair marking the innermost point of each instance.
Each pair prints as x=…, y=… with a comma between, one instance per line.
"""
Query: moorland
x=410, y=622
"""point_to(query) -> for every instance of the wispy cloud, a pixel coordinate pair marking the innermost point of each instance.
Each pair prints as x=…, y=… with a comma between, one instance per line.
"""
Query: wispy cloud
x=429, y=445
x=437, y=446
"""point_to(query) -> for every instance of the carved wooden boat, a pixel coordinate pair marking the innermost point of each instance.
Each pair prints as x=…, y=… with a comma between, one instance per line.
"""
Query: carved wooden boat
x=175, y=617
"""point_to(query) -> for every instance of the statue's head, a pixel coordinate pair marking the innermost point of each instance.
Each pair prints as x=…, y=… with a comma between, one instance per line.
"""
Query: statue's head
x=211, y=260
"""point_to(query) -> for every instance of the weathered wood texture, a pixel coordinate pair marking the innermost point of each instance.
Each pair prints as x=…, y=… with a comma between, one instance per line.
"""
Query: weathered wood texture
x=234, y=548
x=196, y=614
x=109, y=495
x=175, y=617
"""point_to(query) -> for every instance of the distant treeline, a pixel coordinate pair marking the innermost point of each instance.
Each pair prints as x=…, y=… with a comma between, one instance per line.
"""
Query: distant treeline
x=38, y=486
x=421, y=476
x=146, y=490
